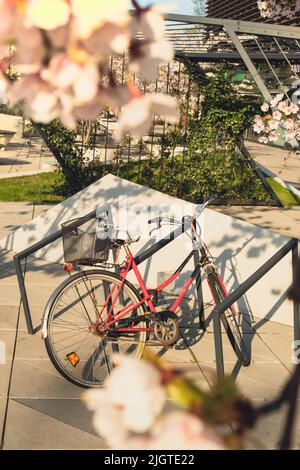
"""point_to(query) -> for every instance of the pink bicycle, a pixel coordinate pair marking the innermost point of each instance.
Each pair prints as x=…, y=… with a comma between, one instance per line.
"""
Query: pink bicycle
x=96, y=313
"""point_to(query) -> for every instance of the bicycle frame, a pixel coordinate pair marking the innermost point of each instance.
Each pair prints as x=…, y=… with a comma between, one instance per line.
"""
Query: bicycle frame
x=131, y=263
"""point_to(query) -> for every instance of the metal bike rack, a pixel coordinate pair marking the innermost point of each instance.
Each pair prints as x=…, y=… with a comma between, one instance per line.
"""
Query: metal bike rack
x=33, y=249
x=55, y=236
x=290, y=246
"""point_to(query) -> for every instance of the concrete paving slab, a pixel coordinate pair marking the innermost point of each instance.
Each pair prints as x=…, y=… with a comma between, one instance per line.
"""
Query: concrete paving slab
x=7, y=270
x=30, y=346
x=261, y=381
x=2, y=411
x=30, y=429
x=8, y=337
x=4, y=377
x=267, y=433
x=9, y=295
x=280, y=344
x=174, y=355
x=8, y=317
x=195, y=373
x=204, y=349
x=72, y=412
x=20, y=158
x=29, y=381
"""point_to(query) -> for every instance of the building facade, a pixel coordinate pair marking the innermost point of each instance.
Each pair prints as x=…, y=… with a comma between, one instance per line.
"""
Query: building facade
x=245, y=10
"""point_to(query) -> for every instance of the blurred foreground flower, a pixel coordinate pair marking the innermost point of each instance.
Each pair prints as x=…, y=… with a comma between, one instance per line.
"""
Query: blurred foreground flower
x=132, y=412
x=61, y=53
x=177, y=430
x=133, y=398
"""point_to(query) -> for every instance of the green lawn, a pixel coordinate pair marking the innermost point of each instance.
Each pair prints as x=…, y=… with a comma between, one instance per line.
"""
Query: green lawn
x=35, y=188
x=286, y=197
x=40, y=188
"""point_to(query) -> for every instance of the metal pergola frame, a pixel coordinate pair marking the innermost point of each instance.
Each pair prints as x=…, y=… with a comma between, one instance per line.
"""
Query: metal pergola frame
x=233, y=28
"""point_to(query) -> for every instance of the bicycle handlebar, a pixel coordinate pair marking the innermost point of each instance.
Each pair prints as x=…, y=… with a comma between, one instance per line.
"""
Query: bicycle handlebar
x=199, y=209
x=162, y=219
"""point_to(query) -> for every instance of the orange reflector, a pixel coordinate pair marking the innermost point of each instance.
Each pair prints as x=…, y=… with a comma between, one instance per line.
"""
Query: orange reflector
x=73, y=358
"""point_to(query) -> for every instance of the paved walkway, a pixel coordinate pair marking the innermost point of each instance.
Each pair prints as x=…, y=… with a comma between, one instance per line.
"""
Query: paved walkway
x=286, y=220
x=283, y=163
x=40, y=410
x=25, y=157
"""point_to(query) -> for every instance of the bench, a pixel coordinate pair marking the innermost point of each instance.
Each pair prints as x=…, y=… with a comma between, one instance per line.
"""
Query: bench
x=5, y=138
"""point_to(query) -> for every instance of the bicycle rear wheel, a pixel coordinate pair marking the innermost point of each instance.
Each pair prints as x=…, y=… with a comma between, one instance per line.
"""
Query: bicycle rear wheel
x=229, y=321
x=80, y=355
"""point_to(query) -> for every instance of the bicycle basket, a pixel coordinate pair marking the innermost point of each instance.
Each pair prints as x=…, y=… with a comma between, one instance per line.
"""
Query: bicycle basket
x=82, y=245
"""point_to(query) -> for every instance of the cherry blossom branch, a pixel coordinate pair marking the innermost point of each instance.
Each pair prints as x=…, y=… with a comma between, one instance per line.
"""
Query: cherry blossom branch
x=136, y=5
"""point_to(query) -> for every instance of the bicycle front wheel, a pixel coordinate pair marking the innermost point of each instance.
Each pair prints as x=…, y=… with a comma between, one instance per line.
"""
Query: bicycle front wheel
x=75, y=349
x=229, y=321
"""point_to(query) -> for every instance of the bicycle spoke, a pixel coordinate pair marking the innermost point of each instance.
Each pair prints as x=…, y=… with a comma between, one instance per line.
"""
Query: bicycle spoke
x=76, y=308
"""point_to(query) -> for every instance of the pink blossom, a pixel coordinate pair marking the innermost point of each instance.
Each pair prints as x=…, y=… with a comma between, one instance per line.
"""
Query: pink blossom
x=9, y=16
x=29, y=57
x=258, y=126
x=93, y=14
x=150, y=23
x=258, y=118
x=180, y=430
x=277, y=115
x=137, y=115
x=294, y=108
x=47, y=14
x=176, y=430
x=274, y=102
x=273, y=125
x=107, y=40
x=288, y=110
x=62, y=52
x=265, y=107
x=289, y=124
x=63, y=72
x=273, y=136
x=282, y=106
x=148, y=57
x=132, y=400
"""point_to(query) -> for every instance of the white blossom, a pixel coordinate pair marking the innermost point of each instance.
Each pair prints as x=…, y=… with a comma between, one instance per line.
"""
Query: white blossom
x=277, y=115
x=265, y=107
x=132, y=399
x=137, y=115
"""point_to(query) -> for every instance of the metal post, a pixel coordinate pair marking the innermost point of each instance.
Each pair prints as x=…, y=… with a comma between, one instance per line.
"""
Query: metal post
x=249, y=64
x=218, y=345
x=199, y=292
x=23, y=293
x=296, y=305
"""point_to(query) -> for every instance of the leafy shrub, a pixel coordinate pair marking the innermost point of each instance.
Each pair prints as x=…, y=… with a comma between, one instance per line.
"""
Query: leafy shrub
x=77, y=169
x=212, y=161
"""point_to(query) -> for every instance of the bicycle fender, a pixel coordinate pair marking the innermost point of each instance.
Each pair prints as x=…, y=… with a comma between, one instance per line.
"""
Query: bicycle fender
x=63, y=285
